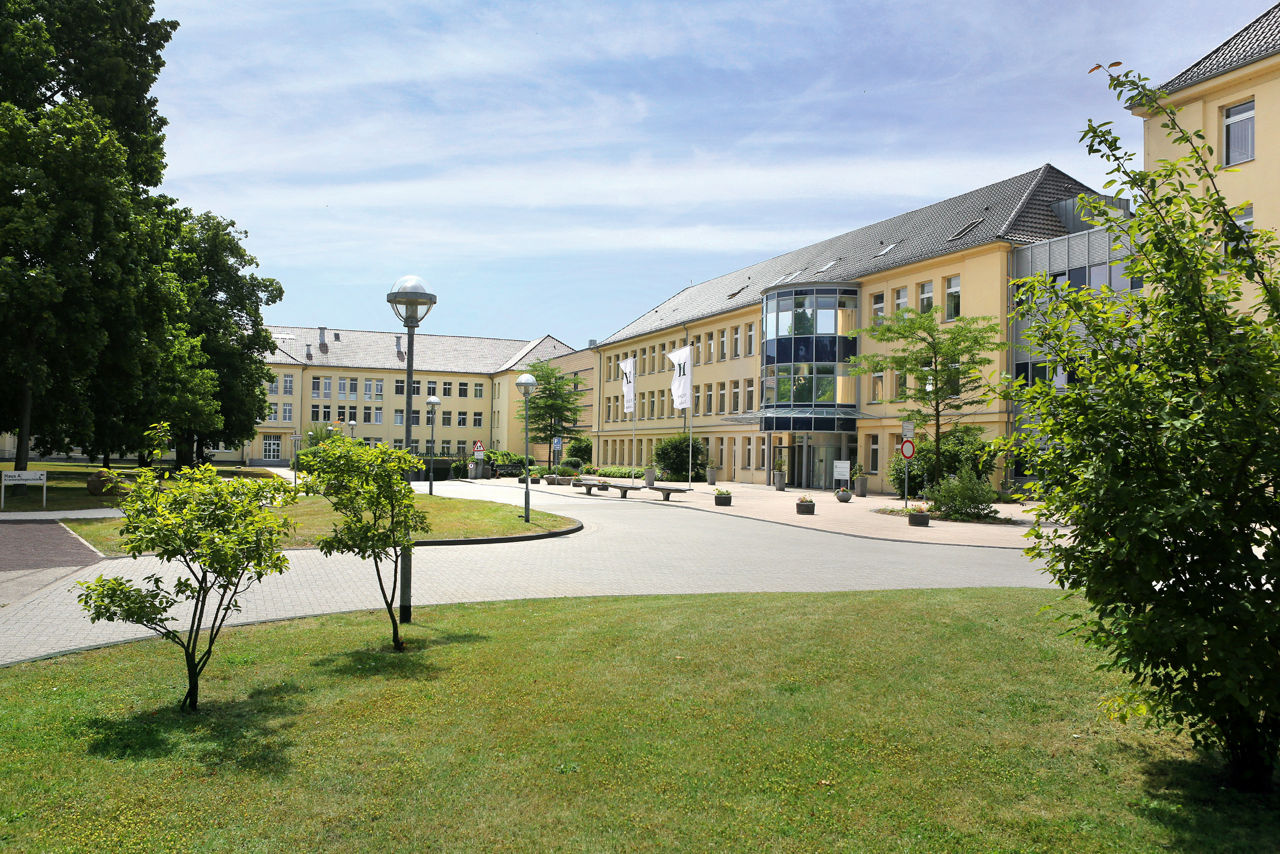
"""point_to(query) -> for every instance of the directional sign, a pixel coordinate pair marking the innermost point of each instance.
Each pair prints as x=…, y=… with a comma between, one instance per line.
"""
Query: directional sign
x=908, y=449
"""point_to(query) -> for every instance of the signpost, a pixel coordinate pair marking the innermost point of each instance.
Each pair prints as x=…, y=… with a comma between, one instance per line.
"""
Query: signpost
x=19, y=477
x=477, y=450
x=908, y=451
x=842, y=473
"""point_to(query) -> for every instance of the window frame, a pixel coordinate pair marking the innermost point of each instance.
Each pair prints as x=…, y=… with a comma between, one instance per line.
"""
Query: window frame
x=1244, y=119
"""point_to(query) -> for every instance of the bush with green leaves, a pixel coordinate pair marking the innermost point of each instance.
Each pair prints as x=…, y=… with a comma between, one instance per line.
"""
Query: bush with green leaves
x=962, y=447
x=572, y=462
x=375, y=504
x=962, y=497
x=619, y=471
x=223, y=535
x=672, y=456
x=580, y=447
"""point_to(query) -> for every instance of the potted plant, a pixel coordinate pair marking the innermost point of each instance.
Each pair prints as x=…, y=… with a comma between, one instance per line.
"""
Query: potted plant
x=780, y=474
x=804, y=505
x=711, y=475
x=918, y=516
x=859, y=480
x=843, y=495
x=724, y=498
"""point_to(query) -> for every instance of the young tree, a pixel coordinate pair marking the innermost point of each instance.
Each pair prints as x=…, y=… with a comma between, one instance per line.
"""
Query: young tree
x=225, y=537
x=672, y=456
x=1157, y=463
x=367, y=486
x=552, y=409
x=942, y=362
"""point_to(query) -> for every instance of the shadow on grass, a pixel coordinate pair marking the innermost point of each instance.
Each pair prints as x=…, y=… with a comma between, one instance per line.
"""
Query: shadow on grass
x=1191, y=799
x=245, y=733
x=384, y=661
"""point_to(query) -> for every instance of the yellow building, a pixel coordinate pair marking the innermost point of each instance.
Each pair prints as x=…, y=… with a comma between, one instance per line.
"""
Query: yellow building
x=1232, y=95
x=771, y=344
x=354, y=381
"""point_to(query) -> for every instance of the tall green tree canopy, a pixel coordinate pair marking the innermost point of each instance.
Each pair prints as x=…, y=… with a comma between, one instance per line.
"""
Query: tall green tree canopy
x=1157, y=464
x=552, y=409
x=943, y=363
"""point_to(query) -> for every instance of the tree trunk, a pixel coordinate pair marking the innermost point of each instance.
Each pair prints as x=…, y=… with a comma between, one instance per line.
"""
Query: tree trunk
x=106, y=459
x=1251, y=751
x=397, y=643
x=184, y=451
x=23, y=454
x=191, y=700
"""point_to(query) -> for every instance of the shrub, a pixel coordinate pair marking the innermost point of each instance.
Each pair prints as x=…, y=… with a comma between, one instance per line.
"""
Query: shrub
x=572, y=462
x=580, y=447
x=672, y=456
x=962, y=497
x=619, y=471
x=458, y=468
x=962, y=447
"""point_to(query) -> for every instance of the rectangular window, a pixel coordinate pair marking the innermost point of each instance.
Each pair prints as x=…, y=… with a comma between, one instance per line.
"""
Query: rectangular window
x=926, y=297
x=479, y=391
x=953, y=297
x=873, y=455
x=413, y=446
x=462, y=419
x=697, y=402
x=368, y=389
x=877, y=309
x=397, y=444
x=431, y=417
x=735, y=348
x=446, y=419
x=735, y=395
x=750, y=403
x=368, y=415
x=446, y=447
x=377, y=389
x=751, y=339
x=477, y=420
x=653, y=403
x=327, y=394
x=877, y=387
x=271, y=447
x=706, y=402
x=397, y=418
x=448, y=389
x=431, y=387
x=399, y=387
x=697, y=349
x=273, y=387
x=288, y=384
x=286, y=412
x=342, y=413
x=273, y=412
x=724, y=341
x=315, y=412
x=377, y=415
x=899, y=299
x=415, y=417
x=342, y=388
x=462, y=389
x=1237, y=131
x=900, y=386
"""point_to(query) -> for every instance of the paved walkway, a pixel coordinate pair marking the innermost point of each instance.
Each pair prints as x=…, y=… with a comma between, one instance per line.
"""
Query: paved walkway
x=626, y=547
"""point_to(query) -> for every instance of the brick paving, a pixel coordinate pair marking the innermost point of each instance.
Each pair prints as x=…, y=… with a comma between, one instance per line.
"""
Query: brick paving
x=32, y=545
x=625, y=548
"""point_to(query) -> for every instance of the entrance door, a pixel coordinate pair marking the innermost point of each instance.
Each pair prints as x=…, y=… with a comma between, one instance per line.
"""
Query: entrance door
x=271, y=446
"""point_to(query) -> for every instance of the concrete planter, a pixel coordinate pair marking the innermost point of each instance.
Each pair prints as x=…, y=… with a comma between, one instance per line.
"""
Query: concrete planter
x=650, y=476
x=843, y=497
x=804, y=508
x=918, y=520
x=860, y=486
x=724, y=500
x=780, y=481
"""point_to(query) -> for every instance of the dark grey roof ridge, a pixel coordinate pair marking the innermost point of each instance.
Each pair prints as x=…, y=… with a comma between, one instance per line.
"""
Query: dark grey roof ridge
x=399, y=331
x=1189, y=76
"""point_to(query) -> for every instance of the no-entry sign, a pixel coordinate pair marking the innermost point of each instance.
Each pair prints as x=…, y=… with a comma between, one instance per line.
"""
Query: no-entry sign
x=908, y=449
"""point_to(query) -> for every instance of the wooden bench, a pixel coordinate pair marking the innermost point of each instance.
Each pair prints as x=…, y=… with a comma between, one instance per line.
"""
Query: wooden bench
x=667, y=490
x=589, y=485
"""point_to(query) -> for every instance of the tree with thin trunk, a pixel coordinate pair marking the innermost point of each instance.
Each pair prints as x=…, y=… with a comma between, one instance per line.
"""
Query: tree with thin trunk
x=1157, y=462
x=224, y=536
x=553, y=408
x=378, y=520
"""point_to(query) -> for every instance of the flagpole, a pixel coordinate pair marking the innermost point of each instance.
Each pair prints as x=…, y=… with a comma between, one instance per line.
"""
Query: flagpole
x=689, y=426
x=633, y=443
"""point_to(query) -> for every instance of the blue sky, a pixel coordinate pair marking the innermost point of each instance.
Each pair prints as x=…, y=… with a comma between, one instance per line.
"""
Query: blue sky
x=562, y=168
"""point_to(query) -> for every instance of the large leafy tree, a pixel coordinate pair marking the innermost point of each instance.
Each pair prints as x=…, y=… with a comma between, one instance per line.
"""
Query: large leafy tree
x=224, y=301
x=553, y=408
x=1157, y=464
x=943, y=363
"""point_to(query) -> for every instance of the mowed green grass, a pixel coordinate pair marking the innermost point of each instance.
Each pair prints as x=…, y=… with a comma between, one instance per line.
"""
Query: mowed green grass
x=68, y=490
x=890, y=721
x=448, y=518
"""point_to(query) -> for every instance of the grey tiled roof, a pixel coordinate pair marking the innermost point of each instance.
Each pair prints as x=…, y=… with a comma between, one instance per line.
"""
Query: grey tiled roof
x=1258, y=40
x=353, y=348
x=1016, y=209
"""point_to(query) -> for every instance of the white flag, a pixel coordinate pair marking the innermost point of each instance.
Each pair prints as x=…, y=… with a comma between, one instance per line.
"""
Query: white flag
x=628, y=367
x=682, y=381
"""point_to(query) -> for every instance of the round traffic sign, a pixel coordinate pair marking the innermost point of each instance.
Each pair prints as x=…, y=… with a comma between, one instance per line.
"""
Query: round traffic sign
x=908, y=449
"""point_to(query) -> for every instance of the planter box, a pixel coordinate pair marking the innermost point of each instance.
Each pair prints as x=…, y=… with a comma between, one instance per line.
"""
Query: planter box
x=918, y=520
x=805, y=508
x=724, y=500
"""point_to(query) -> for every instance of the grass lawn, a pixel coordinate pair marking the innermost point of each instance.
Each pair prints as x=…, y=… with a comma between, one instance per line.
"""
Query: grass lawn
x=67, y=490
x=892, y=721
x=450, y=519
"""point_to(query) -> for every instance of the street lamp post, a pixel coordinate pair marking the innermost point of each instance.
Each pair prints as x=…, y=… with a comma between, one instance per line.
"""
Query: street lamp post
x=526, y=383
x=432, y=403
x=352, y=425
x=411, y=303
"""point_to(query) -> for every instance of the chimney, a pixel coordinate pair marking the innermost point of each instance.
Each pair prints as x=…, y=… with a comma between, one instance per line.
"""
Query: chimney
x=309, y=357
x=337, y=336
x=592, y=344
x=397, y=345
x=322, y=331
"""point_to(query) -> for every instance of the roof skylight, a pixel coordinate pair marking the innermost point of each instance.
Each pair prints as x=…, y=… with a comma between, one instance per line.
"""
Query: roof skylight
x=968, y=228
x=886, y=248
